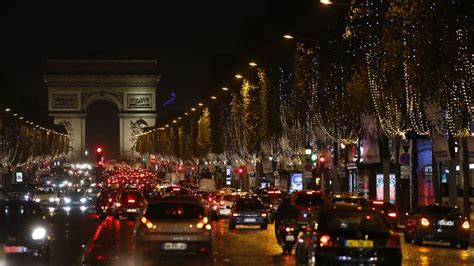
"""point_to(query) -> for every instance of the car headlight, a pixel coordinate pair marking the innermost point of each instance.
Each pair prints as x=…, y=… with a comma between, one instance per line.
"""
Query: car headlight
x=51, y=199
x=38, y=233
x=37, y=200
x=67, y=200
x=83, y=200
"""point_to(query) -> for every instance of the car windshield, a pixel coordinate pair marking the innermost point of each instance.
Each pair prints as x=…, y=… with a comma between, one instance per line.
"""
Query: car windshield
x=248, y=204
x=43, y=190
x=131, y=196
x=346, y=200
x=352, y=220
x=17, y=212
x=309, y=200
x=230, y=197
x=75, y=195
x=438, y=210
x=174, y=211
x=23, y=188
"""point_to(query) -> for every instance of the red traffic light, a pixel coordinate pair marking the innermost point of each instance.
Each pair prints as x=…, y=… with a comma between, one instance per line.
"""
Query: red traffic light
x=241, y=170
x=99, y=150
x=180, y=168
x=322, y=160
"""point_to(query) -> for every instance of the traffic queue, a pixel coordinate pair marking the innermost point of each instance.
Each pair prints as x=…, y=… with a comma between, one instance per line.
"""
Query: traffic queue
x=178, y=217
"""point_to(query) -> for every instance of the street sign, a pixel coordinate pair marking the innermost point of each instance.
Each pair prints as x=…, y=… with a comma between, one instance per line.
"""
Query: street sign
x=405, y=158
x=405, y=172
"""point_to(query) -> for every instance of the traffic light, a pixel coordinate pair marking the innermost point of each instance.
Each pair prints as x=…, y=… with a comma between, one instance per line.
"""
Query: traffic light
x=241, y=171
x=322, y=161
x=99, y=154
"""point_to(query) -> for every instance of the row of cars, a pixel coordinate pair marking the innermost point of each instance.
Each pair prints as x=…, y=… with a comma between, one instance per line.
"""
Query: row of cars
x=349, y=229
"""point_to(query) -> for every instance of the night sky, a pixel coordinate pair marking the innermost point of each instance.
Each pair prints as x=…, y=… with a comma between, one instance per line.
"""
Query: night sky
x=198, y=44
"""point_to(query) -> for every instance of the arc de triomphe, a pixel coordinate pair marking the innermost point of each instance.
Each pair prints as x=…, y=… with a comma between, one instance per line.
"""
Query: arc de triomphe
x=73, y=85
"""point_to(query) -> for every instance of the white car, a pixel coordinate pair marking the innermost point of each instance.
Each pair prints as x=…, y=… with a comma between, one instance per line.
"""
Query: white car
x=226, y=203
x=46, y=196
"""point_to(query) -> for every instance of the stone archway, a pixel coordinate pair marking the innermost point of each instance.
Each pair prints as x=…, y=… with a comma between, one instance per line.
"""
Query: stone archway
x=73, y=85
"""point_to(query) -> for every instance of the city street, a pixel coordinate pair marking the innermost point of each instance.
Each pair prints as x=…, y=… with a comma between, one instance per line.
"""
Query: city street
x=110, y=242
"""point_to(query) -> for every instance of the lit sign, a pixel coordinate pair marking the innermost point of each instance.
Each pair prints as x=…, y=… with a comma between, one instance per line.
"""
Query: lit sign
x=228, y=175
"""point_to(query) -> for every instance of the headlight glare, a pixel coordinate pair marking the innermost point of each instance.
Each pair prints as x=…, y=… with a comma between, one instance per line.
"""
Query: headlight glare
x=38, y=233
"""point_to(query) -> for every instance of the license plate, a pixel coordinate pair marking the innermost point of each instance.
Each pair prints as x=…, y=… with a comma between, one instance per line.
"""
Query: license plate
x=15, y=249
x=175, y=246
x=446, y=223
x=250, y=220
x=290, y=238
x=131, y=210
x=351, y=243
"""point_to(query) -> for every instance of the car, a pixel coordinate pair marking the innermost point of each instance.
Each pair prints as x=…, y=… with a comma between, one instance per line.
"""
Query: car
x=349, y=198
x=174, y=225
x=128, y=204
x=74, y=200
x=388, y=209
x=173, y=190
x=436, y=222
x=349, y=235
x=46, y=196
x=23, y=229
x=21, y=191
x=248, y=211
x=210, y=202
x=308, y=202
x=275, y=196
x=104, y=202
x=268, y=204
x=226, y=203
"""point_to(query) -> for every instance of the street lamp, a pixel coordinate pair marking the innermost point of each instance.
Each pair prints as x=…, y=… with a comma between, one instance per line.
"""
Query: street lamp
x=238, y=76
x=225, y=88
x=326, y=2
x=252, y=64
x=213, y=97
x=308, y=150
x=288, y=36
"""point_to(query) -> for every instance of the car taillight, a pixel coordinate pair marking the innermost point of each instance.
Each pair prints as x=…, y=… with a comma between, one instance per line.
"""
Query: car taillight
x=222, y=203
x=147, y=223
x=392, y=214
x=131, y=201
x=204, y=224
x=235, y=214
x=393, y=240
x=377, y=202
x=110, y=199
x=264, y=215
x=424, y=222
x=118, y=204
x=466, y=225
x=325, y=241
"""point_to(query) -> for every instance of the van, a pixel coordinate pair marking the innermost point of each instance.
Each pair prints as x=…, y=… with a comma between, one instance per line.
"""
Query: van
x=207, y=184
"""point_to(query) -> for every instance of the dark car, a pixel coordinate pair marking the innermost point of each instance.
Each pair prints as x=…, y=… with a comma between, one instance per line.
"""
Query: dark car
x=268, y=204
x=350, y=199
x=308, y=202
x=248, y=211
x=104, y=203
x=438, y=223
x=74, y=200
x=352, y=235
x=386, y=208
x=21, y=191
x=128, y=204
x=23, y=230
